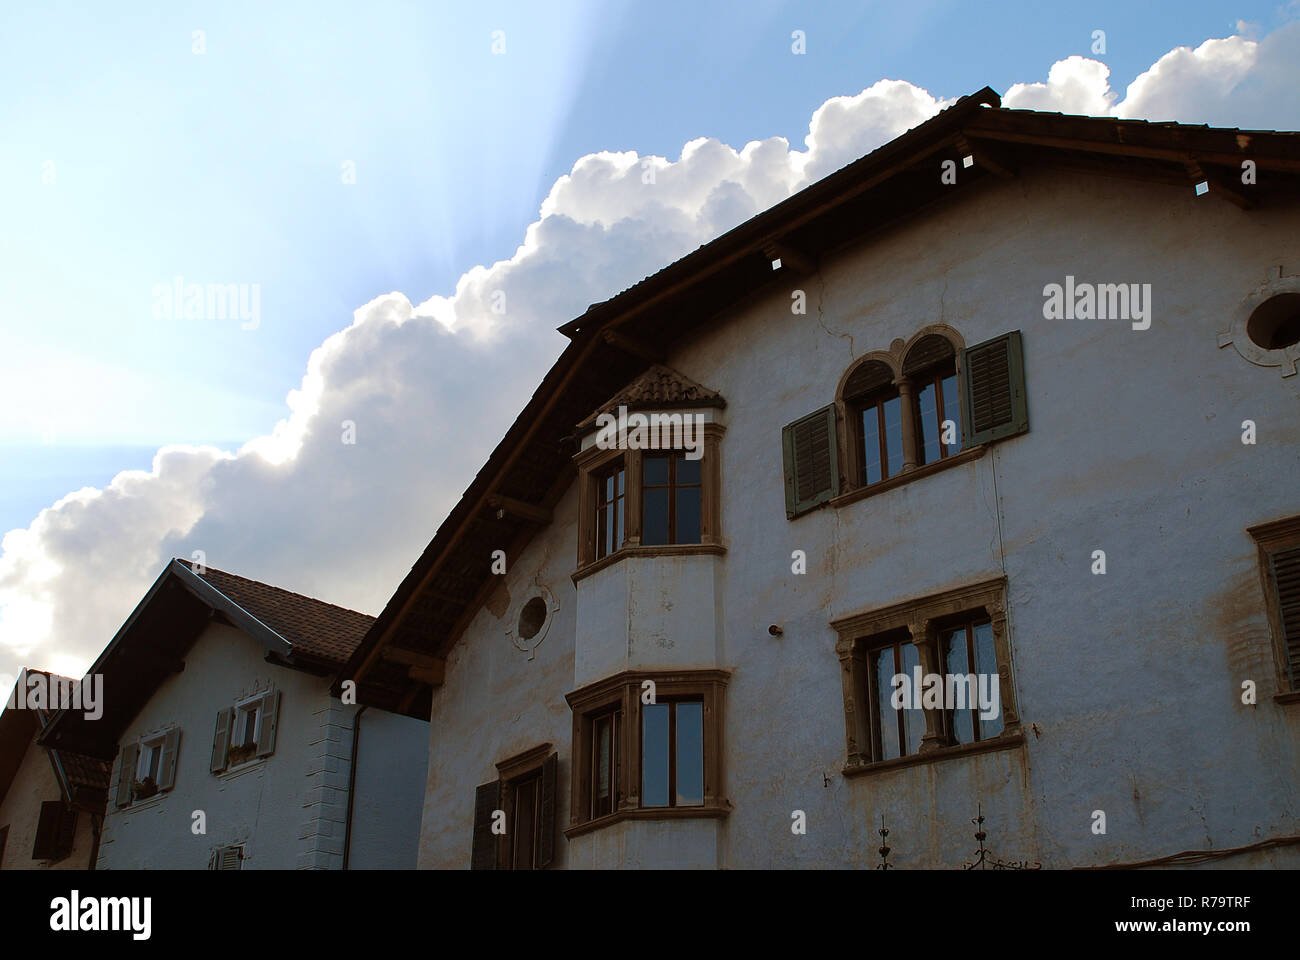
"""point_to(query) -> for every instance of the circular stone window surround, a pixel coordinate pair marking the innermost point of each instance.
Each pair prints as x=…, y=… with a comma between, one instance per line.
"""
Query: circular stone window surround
x=515, y=629
x=1287, y=357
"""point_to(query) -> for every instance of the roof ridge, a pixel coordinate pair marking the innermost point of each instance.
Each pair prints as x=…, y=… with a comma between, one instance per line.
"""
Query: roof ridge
x=269, y=586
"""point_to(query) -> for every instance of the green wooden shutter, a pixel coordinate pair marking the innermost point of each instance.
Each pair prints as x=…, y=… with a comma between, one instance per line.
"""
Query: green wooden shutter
x=167, y=775
x=126, y=773
x=812, y=463
x=221, y=740
x=993, y=404
x=546, y=823
x=1284, y=566
x=270, y=721
x=487, y=800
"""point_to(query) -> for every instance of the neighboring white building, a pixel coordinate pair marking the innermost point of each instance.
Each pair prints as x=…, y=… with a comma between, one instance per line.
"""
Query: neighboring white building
x=51, y=801
x=914, y=455
x=230, y=751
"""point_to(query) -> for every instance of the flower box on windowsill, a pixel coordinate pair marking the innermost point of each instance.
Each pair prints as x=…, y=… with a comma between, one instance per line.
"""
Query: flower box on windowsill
x=241, y=754
x=143, y=789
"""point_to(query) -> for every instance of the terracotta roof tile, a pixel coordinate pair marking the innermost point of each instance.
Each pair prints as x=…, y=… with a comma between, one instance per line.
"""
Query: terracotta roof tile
x=312, y=627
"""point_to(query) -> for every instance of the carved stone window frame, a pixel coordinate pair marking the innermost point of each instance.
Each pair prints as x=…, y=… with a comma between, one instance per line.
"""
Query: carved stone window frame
x=920, y=617
x=623, y=691
x=593, y=460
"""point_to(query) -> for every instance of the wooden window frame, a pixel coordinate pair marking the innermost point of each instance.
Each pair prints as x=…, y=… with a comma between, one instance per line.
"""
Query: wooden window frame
x=623, y=692
x=923, y=618
x=513, y=772
x=1271, y=538
x=593, y=462
x=856, y=408
x=610, y=470
x=934, y=375
x=674, y=457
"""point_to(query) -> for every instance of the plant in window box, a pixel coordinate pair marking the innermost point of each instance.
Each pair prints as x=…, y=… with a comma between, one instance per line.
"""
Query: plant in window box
x=241, y=753
x=144, y=789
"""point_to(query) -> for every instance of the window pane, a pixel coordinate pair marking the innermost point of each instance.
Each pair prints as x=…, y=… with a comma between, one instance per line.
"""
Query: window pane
x=618, y=522
x=886, y=715
x=987, y=664
x=654, y=755
x=654, y=521
x=690, y=754
x=871, y=445
x=894, y=434
x=929, y=417
x=619, y=485
x=952, y=411
x=688, y=515
x=525, y=832
x=688, y=471
x=956, y=662
x=604, y=775
x=656, y=471
x=914, y=719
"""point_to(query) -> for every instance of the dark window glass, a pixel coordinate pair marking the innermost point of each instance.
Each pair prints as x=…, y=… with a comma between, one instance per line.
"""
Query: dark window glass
x=880, y=454
x=654, y=755
x=671, y=496
x=968, y=651
x=936, y=402
x=690, y=754
x=605, y=765
x=609, y=510
x=899, y=731
x=524, y=833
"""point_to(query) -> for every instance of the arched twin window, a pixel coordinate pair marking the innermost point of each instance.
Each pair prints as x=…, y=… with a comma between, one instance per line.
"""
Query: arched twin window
x=895, y=411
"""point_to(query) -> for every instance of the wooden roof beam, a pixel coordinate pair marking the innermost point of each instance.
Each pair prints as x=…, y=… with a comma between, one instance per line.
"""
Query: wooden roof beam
x=638, y=348
x=1220, y=184
x=790, y=257
x=990, y=158
x=510, y=507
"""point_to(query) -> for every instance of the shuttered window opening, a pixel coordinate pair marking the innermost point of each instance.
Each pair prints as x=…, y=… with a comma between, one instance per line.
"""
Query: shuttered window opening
x=811, y=459
x=994, y=405
x=245, y=732
x=55, y=831
x=227, y=858
x=1284, y=566
x=521, y=807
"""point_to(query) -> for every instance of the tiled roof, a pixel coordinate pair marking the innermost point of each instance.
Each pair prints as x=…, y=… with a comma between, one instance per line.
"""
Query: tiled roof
x=312, y=627
x=658, y=387
x=85, y=771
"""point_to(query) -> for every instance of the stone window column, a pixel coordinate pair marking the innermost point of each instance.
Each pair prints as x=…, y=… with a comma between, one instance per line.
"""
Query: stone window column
x=922, y=632
x=854, y=677
x=907, y=415
x=997, y=612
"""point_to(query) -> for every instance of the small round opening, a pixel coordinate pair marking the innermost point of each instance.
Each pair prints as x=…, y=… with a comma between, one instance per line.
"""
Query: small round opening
x=531, y=618
x=1275, y=324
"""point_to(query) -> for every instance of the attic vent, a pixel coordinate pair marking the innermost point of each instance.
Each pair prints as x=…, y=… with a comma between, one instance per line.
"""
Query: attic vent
x=227, y=858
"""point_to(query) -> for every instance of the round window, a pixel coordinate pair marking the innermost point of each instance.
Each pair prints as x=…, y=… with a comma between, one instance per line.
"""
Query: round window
x=532, y=617
x=1275, y=323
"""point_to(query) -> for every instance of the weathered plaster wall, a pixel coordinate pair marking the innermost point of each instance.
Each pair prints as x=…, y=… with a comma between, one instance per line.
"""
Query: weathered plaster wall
x=392, y=765
x=34, y=783
x=1128, y=684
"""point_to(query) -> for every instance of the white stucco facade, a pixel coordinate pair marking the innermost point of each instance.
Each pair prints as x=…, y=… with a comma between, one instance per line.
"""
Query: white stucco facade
x=1128, y=684
x=287, y=810
x=34, y=783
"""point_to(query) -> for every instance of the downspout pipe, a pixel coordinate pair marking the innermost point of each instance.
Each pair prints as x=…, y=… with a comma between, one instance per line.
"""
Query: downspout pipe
x=352, y=785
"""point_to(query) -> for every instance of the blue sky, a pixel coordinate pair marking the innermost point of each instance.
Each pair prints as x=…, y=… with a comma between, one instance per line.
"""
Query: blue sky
x=226, y=167
x=128, y=158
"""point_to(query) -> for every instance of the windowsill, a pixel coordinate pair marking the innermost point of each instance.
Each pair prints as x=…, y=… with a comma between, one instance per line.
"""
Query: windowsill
x=247, y=765
x=1008, y=741
x=717, y=810
x=145, y=803
x=938, y=466
x=1291, y=696
x=641, y=550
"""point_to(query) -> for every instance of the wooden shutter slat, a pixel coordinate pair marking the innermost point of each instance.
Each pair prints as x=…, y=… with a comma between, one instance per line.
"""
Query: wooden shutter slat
x=546, y=851
x=1284, y=565
x=487, y=800
x=167, y=775
x=221, y=740
x=126, y=773
x=993, y=390
x=270, y=708
x=811, y=458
